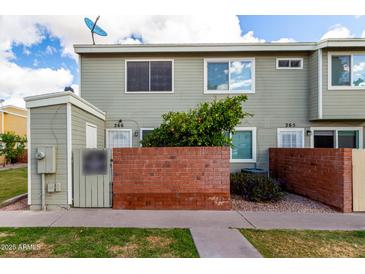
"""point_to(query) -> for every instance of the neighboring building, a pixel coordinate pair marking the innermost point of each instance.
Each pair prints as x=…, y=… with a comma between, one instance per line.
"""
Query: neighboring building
x=301, y=94
x=13, y=119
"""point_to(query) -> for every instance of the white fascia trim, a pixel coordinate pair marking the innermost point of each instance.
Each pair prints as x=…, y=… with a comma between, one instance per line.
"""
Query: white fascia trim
x=29, y=160
x=320, y=81
x=253, y=160
x=149, y=60
x=289, y=59
x=69, y=153
x=224, y=47
x=336, y=129
x=63, y=98
x=227, y=60
x=278, y=144
x=118, y=129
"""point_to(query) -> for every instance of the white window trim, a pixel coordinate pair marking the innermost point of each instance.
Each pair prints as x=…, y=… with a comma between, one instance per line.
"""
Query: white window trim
x=87, y=124
x=289, y=59
x=149, y=92
x=118, y=129
x=225, y=60
x=253, y=159
x=336, y=129
x=142, y=129
x=279, y=130
x=329, y=72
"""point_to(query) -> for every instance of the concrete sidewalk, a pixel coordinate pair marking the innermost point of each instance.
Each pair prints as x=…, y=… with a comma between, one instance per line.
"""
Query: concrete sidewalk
x=222, y=243
x=182, y=218
x=211, y=230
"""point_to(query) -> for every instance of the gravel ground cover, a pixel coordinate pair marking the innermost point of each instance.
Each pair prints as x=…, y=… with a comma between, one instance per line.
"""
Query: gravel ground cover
x=19, y=205
x=289, y=203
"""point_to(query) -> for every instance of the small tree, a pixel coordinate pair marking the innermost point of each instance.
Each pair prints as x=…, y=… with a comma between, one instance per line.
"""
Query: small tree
x=207, y=125
x=12, y=146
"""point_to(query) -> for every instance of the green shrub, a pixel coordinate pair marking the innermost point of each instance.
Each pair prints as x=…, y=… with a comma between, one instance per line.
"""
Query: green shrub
x=12, y=146
x=255, y=188
x=206, y=125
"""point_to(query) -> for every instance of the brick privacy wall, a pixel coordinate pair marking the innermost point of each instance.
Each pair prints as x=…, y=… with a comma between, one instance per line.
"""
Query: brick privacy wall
x=322, y=174
x=171, y=178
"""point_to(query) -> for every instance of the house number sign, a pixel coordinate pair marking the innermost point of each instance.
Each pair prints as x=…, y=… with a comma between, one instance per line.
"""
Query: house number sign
x=290, y=124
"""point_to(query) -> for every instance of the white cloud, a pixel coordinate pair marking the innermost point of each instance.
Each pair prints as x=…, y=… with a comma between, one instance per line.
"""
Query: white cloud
x=51, y=50
x=17, y=82
x=249, y=37
x=337, y=31
x=27, y=31
x=284, y=40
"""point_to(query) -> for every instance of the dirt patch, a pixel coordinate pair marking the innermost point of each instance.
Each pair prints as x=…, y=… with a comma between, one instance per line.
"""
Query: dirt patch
x=159, y=242
x=6, y=234
x=126, y=251
x=36, y=250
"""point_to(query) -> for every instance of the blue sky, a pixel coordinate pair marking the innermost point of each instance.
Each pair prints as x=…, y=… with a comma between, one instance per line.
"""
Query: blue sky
x=36, y=52
x=301, y=28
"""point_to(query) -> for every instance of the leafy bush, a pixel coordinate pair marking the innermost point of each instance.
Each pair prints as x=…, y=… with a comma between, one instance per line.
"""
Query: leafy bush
x=12, y=146
x=255, y=188
x=206, y=125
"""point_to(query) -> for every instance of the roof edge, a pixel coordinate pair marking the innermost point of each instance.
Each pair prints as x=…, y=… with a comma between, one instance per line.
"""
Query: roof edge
x=219, y=47
x=63, y=97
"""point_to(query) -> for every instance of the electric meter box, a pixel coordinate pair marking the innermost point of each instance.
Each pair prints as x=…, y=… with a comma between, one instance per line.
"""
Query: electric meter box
x=46, y=159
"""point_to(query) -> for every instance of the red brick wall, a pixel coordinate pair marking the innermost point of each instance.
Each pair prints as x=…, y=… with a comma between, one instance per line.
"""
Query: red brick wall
x=322, y=174
x=171, y=178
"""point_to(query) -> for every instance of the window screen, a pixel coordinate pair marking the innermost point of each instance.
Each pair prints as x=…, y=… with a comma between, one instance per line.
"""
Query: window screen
x=149, y=76
x=138, y=76
x=289, y=63
x=161, y=76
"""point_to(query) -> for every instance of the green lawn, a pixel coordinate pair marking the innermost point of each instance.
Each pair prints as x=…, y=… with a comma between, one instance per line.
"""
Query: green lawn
x=13, y=182
x=307, y=243
x=96, y=242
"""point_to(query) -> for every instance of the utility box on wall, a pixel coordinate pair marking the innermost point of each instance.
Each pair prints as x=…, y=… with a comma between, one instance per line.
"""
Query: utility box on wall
x=46, y=159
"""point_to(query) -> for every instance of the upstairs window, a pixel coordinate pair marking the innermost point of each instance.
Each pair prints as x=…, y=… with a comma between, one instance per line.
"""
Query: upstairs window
x=347, y=71
x=289, y=63
x=229, y=76
x=149, y=76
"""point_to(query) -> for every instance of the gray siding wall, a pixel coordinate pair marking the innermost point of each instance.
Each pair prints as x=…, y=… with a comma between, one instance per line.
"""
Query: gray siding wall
x=48, y=127
x=313, y=85
x=79, y=119
x=341, y=104
x=282, y=96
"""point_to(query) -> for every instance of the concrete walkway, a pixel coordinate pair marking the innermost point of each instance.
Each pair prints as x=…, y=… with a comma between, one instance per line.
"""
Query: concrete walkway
x=211, y=230
x=183, y=219
x=13, y=166
x=222, y=243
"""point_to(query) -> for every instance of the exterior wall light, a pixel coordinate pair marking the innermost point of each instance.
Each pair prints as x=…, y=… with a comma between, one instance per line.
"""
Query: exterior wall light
x=309, y=132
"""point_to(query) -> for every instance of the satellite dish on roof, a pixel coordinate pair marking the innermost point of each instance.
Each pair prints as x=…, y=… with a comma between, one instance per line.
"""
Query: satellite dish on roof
x=94, y=28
